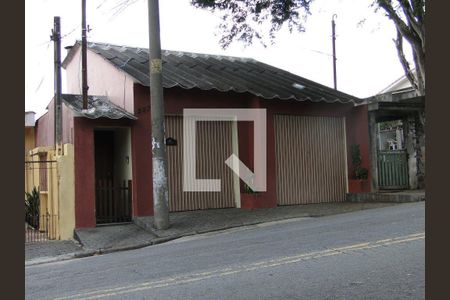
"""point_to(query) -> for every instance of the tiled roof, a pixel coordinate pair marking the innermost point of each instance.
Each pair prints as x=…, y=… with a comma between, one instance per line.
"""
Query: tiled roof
x=98, y=107
x=223, y=73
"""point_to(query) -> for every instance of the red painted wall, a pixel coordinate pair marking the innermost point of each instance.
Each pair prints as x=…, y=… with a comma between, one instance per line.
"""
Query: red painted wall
x=176, y=99
x=84, y=174
x=358, y=134
x=142, y=155
x=85, y=167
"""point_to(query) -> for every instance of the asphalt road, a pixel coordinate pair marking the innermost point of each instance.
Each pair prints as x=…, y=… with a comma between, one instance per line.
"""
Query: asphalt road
x=370, y=254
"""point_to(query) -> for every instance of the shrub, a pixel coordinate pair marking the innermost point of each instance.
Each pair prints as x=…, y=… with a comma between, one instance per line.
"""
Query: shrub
x=32, y=208
x=359, y=172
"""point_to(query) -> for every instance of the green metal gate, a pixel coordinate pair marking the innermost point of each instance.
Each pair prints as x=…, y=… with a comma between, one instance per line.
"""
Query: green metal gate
x=393, y=170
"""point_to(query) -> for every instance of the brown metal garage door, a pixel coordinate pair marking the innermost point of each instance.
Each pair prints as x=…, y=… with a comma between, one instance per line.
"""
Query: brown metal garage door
x=310, y=159
x=213, y=147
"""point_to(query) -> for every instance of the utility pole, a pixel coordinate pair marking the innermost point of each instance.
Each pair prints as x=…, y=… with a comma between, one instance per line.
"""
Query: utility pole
x=333, y=29
x=56, y=38
x=84, y=55
x=159, y=156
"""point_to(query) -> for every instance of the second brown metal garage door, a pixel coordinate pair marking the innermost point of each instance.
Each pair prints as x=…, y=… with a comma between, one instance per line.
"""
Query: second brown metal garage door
x=213, y=147
x=310, y=159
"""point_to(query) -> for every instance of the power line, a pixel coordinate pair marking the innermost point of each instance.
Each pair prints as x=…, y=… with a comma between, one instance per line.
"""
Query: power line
x=40, y=84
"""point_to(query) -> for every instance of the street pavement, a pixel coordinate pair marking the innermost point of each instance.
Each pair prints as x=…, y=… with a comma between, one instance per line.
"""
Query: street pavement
x=369, y=254
x=120, y=237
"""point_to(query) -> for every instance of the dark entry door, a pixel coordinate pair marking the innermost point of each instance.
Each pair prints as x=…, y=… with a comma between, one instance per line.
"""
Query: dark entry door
x=104, y=155
x=113, y=199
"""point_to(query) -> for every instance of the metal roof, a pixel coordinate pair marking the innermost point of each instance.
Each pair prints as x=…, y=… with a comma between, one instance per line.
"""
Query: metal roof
x=98, y=107
x=223, y=73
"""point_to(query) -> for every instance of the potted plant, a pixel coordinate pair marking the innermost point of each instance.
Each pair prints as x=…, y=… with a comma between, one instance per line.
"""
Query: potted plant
x=358, y=181
x=249, y=198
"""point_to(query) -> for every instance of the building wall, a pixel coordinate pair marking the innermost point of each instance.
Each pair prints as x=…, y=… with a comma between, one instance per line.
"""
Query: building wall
x=30, y=141
x=66, y=190
x=84, y=174
x=122, y=155
x=45, y=126
x=103, y=79
x=85, y=166
x=44, y=129
x=176, y=99
x=67, y=127
x=357, y=128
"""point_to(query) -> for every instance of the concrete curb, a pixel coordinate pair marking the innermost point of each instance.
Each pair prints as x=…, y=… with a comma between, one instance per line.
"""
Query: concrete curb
x=385, y=197
x=58, y=258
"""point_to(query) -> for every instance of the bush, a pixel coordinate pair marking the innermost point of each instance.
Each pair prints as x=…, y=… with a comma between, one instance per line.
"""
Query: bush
x=360, y=172
x=32, y=208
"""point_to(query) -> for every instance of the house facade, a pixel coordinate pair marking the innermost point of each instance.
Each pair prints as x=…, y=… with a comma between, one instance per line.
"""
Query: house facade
x=310, y=130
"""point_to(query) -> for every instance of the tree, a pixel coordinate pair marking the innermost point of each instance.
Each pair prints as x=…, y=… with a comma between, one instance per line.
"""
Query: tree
x=409, y=19
x=243, y=20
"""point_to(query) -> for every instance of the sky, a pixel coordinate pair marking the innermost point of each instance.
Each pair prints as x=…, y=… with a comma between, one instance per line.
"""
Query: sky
x=367, y=60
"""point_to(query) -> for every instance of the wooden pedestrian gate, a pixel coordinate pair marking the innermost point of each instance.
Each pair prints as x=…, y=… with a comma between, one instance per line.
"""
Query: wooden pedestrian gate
x=393, y=169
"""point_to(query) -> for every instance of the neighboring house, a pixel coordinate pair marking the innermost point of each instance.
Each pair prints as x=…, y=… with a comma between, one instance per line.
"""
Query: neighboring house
x=396, y=122
x=49, y=184
x=29, y=131
x=401, y=84
x=310, y=130
x=29, y=144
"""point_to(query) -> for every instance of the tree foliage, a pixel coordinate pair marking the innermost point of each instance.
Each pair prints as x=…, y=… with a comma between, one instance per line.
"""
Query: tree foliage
x=243, y=20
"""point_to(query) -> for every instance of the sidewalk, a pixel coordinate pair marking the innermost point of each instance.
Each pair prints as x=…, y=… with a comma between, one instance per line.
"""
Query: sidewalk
x=41, y=252
x=202, y=221
x=106, y=239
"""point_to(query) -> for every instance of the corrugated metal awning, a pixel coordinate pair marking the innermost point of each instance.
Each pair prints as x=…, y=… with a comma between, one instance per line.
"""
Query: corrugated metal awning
x=98, y=107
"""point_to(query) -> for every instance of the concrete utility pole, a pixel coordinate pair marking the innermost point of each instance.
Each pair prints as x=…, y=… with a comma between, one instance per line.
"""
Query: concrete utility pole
x=333, y=29
x=56, y=38
x=159, y=160
x=84, y=54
